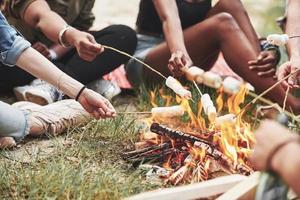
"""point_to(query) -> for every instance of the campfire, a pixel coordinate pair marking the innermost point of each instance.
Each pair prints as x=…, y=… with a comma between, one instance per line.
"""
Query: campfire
x=179, y=144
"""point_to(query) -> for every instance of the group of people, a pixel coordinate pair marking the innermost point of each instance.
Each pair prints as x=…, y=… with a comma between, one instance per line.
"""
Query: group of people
x=51, y=40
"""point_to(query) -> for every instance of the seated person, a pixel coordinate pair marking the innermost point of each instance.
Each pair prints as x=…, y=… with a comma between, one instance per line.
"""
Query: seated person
x=41, y=22
x=292, y=28
x=180, y=33
x=15, y=124
x=277, y=149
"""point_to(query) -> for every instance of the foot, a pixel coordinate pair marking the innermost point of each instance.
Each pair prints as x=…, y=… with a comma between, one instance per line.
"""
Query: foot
x=43, y=94
x=7, y=142
x=108, y=89
x=54, y=118
x=21, y=90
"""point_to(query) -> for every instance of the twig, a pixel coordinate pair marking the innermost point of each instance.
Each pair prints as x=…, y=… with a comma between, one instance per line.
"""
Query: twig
x=285, y=98
x=126, y=54
x=132, y=113
x=267, y=90
x=201, y=94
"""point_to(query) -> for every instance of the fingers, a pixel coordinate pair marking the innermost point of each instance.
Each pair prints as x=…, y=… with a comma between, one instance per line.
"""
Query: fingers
x=261, y=68
x=177, y=62
x=88, y=49
x=269, y=73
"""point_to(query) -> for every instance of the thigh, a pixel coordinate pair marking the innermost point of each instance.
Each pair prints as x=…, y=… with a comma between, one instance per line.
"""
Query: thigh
x=117, y=36
x=11, y=77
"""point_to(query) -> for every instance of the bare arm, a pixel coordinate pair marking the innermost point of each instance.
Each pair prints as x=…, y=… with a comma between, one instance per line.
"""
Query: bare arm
x=39, y=15
x=293, y=46
x=168, y=13
x=33, y=62
x=293, y=28
x=286, y=161
x=287, y=165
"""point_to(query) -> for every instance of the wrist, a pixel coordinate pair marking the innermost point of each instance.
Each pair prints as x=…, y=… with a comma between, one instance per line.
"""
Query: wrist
x=282, y=157
x=280, y=154
x=66, y=36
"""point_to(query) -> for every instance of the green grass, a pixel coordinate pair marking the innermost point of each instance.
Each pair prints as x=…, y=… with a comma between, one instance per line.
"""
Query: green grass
x=90, y=168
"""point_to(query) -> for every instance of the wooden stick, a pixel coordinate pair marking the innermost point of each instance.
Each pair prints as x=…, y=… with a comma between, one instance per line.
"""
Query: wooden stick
x=201, y=94
x=268, y=102
x=204, y=189
x=126, y=54
x=243, y=188
x=133, y=112
x=268, y=90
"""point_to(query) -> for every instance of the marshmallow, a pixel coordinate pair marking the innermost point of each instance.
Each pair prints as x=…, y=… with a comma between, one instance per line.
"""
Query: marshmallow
x=277, y=39
x=173, y=111
x=173, y=84
x=231, y=85
x=228, y=119
x=208, y=107
x=212, y=80
x=194, y=74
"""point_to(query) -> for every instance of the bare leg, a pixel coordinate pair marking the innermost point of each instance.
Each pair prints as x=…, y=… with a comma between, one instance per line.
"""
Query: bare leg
x=204, y=40
x=239, y=13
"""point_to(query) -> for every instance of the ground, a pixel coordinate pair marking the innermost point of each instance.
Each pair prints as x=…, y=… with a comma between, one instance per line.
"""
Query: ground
x=84, y=163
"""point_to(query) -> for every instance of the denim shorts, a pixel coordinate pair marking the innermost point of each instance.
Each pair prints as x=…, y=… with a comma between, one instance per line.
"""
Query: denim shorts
x=134, y=69
x=13, y=122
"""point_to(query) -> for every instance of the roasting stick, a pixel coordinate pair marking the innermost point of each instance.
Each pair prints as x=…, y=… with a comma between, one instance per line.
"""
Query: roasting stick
x=198, y=89
x=132, y=113
x=128, y=55
x=266, y=91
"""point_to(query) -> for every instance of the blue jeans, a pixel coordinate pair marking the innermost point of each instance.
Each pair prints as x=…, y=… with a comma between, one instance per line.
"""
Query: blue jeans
x=13, y=122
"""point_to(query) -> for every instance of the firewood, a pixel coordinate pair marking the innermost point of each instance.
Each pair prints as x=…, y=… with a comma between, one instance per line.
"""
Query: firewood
x=212, y=151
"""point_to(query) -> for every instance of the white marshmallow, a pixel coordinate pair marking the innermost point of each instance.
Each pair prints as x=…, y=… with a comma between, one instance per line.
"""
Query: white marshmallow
x=212, y=80
x=173, y=84
x=228, y=119
x=173, y=111
x=212, y=113
x=277, y=39
x=194, y=74
x=208, y=107
x=231, y=85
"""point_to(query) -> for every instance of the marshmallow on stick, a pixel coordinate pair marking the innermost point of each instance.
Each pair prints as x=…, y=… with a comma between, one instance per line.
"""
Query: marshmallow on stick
x=167, y=112
x=277, y=39
x=231, y=85
x=194, y=74
x=208, y=107
x=212, y=80
x=173, y=84
x=225, y=119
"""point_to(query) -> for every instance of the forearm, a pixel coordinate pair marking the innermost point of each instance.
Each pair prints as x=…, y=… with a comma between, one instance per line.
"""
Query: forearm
x=37, y=65
x=174, y=35
x=287, y=165
x=293, y=28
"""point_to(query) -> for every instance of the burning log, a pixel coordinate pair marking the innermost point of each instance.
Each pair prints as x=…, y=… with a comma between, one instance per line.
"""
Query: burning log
x=211, y=151
x=167, y=132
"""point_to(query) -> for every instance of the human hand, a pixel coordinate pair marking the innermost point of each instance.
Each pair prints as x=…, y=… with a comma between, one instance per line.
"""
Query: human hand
x=177, y=61
x=288, y=68
x=96, y=104
x=264, y=64
x=85, y=44
x=41, y=48
x=268, y=136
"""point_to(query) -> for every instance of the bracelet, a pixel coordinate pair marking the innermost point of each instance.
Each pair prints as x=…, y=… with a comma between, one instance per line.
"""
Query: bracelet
x=79, y=93
x=60, y=36
x=277, y=148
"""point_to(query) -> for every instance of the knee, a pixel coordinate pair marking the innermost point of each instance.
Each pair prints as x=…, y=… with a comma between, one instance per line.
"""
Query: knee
x=125, y=34
x=226, y=22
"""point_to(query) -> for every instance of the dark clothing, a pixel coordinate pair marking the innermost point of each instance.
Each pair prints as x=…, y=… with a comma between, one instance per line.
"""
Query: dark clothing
x=118, y=36
x=148, y=20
